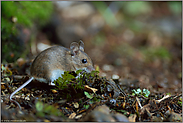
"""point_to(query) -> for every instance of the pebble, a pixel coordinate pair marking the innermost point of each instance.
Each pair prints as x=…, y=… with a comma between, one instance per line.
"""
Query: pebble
x=102, y=114
x=20, y=62
x=107, y=67
x=115, y=76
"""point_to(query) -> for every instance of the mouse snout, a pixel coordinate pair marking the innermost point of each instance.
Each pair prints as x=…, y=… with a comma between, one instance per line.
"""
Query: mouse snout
x=89, y=69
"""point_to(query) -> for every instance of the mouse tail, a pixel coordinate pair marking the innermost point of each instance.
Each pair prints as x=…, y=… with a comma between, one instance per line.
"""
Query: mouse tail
x=22, y=86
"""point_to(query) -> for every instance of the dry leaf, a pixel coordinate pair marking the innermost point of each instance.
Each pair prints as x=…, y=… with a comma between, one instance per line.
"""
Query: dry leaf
x=72, y=115
x=78, y=116
x=76, y=105
x=54, y=91
x=3, y=87
x=45, y=120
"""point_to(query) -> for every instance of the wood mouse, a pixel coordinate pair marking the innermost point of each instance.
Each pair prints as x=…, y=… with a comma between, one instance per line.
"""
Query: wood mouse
x=52, y=62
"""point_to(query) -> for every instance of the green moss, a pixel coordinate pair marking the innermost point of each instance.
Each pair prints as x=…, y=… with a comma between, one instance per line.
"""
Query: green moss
x=27, y=14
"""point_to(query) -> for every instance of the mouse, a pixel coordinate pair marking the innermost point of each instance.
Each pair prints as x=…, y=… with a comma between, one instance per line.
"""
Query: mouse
x=51, y=63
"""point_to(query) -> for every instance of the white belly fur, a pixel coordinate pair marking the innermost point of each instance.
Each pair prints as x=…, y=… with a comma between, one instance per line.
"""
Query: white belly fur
x=55, y=74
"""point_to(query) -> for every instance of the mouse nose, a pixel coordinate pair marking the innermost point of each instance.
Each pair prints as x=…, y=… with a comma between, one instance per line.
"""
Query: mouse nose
x=90, y=68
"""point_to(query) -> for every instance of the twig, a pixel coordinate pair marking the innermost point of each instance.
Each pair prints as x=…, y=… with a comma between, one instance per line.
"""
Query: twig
x=18, y=77
x=165, y=97
x=124, y=94
x=176, y=97
x=139, y=102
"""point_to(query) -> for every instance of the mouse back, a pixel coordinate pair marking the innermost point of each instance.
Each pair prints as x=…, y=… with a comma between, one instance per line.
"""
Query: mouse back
x=49, y=63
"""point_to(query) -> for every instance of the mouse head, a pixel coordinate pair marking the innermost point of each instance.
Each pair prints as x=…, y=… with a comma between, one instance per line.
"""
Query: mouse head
x=79, y=59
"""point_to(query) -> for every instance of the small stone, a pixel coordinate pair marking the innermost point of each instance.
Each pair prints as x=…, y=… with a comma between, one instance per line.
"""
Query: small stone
x=115, y=76
x=120, y=117
x=173, y=117
x=42, y=46
x=102, y=74
x=107, y=67
x=20, y=62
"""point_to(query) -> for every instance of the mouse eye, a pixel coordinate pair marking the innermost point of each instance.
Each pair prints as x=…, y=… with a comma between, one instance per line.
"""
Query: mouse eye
x=84, y=61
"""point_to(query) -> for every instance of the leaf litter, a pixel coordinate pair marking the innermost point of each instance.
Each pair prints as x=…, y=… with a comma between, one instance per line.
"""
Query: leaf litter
x=88, y=97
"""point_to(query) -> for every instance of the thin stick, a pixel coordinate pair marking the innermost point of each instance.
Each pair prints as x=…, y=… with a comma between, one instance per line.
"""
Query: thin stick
x=138, y=101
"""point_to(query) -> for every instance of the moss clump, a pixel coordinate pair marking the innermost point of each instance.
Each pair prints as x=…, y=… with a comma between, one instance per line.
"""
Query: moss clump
x=26, y=12
x=20, y=14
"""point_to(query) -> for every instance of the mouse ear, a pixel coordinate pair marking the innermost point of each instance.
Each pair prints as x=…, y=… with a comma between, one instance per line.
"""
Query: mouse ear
x=81, y=45
x=74, y=47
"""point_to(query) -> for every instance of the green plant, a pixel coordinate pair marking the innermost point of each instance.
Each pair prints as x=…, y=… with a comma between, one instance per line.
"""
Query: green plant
x=45, y=109
x=62, y=82
x=145, y=92
x=86, y=106
x=180, y=101
x=93, y=99
x=5, y=71
x=77, y=82
x=90, y=96
x=168, y=93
